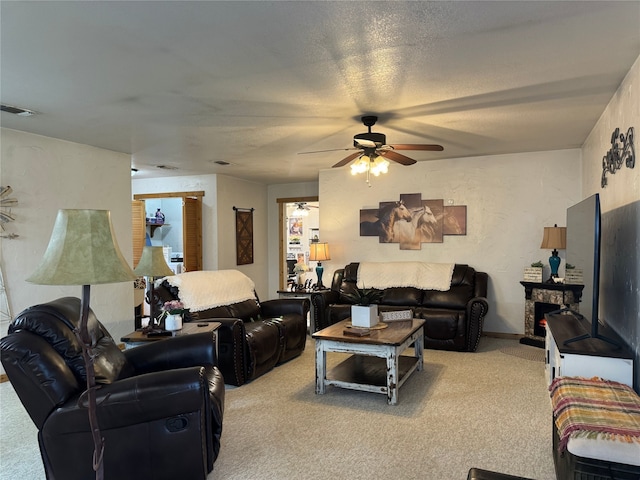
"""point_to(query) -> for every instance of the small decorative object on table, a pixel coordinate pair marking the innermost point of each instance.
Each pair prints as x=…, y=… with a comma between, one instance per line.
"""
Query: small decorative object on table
x=172, y=312
x=533, y=273
x=365, y=311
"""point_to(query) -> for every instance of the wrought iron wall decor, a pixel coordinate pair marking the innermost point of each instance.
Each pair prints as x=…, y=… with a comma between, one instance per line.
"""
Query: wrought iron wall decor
x=244, y=235
x=412, y=221
x=622, y=150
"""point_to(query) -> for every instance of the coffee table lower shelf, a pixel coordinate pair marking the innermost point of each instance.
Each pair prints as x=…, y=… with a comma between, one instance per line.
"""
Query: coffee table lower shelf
x=369, y=374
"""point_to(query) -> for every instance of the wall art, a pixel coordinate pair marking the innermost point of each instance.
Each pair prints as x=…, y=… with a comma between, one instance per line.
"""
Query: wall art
x=412, y=221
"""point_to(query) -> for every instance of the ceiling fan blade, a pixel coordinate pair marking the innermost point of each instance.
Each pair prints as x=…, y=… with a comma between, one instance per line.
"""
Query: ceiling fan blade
x=347, y=159
x=397, y=157
x=418, y=146
x=331, y=150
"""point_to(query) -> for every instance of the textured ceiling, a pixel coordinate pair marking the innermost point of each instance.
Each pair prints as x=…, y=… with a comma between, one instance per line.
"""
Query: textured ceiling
x=186, y=84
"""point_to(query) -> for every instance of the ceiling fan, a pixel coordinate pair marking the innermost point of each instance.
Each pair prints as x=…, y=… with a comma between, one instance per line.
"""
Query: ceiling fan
x=302, y=208
x=372, y=145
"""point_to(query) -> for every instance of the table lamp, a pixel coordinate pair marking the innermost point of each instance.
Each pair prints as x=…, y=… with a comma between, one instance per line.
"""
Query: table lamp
x=554, y=237
x=83, y=251
x=319, y=252
x=152, y=264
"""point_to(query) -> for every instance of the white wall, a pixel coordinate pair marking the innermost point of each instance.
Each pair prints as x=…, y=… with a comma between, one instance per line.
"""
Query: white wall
x=46, y=175
x=509, y=199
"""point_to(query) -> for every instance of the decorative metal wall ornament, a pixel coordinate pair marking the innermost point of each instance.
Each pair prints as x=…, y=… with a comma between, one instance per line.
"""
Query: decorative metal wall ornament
x=618, y=153
x=5, y=213
x=244, y=235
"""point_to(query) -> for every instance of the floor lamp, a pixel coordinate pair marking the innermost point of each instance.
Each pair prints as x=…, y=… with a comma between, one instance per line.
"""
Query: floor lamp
x=152, y=264
x=83, y=251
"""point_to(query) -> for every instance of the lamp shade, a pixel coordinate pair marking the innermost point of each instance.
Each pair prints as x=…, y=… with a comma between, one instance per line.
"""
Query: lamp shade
x=82, y=250
x=554, y=237
x=319, y=252
x=152, y=263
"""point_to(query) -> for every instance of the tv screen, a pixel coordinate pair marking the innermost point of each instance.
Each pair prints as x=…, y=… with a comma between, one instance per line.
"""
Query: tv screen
x=583, y=252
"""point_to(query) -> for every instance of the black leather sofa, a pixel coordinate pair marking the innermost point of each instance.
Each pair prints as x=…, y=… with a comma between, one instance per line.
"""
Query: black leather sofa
x=254, y=336
x=454, y=317
x=160, y=406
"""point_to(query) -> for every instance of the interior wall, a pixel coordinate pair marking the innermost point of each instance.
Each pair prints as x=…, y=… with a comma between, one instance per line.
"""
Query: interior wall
x=620, y=203
x=509, y=199
x=46, y=175
x=246, y=195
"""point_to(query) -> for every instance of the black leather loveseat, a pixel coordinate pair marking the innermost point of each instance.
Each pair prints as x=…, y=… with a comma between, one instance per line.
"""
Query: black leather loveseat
x=160, y=406
x=453, y=317
x=254, y=336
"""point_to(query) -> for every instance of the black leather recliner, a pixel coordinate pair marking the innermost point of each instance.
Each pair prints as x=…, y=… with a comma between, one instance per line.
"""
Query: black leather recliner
x=160, y=406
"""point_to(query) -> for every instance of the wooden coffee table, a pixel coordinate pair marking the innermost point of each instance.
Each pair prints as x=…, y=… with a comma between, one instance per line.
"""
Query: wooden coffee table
x=376, y=364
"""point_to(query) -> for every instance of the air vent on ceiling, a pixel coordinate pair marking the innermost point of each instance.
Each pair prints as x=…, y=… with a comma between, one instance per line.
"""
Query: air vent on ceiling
x=23, y=112
x=167, y=167
x=221, y=162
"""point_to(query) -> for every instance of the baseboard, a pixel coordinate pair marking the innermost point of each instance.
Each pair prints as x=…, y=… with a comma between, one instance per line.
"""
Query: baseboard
x=3, y=378
x=510, y=336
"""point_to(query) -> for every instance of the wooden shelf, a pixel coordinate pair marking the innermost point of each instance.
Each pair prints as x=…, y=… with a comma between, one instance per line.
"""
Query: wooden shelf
x=154, y=226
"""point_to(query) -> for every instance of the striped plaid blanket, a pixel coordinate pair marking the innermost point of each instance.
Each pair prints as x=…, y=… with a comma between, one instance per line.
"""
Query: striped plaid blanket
x=595, y=408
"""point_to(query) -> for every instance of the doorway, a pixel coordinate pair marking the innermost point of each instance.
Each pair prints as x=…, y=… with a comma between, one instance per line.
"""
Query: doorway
x=182, y=227
x=299, y=226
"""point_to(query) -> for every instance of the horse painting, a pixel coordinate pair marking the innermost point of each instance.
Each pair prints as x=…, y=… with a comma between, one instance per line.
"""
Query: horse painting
x=423, y=228
x=388, y=214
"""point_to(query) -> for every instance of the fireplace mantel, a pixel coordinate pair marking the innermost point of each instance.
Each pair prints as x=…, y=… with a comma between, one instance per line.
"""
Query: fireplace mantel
x=562, y=287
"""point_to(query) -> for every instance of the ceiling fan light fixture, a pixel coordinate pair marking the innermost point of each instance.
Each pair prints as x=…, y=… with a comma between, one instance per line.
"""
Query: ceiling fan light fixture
x=378, y=166
x=361, y=165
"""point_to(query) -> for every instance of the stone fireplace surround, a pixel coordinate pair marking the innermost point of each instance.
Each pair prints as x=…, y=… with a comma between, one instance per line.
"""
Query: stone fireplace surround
x=563, y=295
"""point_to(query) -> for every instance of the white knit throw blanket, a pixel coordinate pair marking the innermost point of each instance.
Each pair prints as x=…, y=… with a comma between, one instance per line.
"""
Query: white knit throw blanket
x=425, y=276
x=202, y=290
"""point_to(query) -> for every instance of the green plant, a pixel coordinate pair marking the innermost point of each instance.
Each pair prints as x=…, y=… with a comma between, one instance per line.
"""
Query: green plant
x=537, y=264
x=568, y=266
x=365, y=296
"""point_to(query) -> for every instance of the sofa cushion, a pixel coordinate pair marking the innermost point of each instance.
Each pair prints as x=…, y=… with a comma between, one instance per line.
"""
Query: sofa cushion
x=402, y=296
x=461, y=291
x=248, y=310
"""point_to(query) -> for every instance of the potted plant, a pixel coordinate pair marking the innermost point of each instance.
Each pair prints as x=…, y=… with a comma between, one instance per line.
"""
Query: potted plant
x=364, y=312
x=172, y=312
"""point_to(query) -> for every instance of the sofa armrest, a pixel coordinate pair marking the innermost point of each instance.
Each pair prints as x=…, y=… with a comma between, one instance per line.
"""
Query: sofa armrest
x=477, y=308
x=321, y=302
x=282, y=306
x=232, y=350
x=177, y=352
x=480, y=287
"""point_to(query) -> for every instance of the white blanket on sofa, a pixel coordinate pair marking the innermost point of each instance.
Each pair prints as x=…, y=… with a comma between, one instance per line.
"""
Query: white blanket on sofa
x=425, y=276
x=202, y=290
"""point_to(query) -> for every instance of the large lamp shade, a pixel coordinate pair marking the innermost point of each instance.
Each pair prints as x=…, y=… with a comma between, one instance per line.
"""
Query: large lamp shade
x=82, y=251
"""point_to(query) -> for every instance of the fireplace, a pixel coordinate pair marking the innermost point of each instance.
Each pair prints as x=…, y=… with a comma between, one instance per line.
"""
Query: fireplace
x=542, y=298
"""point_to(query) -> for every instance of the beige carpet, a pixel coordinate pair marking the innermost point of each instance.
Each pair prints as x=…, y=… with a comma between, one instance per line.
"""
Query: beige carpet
x=487, y=409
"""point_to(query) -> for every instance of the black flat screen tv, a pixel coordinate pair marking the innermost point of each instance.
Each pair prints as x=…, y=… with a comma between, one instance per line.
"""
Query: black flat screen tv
x=583, y=252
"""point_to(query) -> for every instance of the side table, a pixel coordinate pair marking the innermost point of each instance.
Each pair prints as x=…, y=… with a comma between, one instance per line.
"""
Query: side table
x=137, y=338
x=302, y=294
